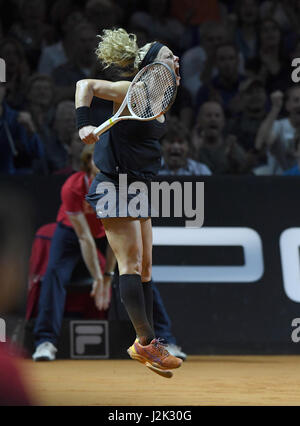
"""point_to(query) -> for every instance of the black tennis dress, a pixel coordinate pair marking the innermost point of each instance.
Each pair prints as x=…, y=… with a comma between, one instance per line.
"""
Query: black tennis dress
x=128, y=157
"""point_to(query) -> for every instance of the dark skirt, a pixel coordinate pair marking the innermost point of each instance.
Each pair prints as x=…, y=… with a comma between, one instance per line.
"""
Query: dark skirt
x=109, y=197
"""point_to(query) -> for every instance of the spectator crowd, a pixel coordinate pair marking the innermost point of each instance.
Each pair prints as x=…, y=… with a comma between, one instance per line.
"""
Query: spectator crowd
x=237, y=110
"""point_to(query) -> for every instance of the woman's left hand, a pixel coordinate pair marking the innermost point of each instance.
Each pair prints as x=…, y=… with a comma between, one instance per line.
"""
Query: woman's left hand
x=87, y=136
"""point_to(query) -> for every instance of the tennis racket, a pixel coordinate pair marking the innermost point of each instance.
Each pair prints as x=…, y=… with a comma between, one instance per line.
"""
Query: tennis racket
x=150, y=94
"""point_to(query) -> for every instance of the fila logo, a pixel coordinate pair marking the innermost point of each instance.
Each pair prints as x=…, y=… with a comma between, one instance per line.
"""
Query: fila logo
x=89, y=339
x=2, y=331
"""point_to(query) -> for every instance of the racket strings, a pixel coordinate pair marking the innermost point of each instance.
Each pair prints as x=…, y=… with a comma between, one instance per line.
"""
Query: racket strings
x=153, y=92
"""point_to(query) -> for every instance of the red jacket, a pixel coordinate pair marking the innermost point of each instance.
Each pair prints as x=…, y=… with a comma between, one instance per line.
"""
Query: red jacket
x=75, y=302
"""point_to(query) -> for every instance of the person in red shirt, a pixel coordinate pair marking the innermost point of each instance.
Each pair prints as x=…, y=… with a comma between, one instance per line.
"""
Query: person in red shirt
x=75, y=235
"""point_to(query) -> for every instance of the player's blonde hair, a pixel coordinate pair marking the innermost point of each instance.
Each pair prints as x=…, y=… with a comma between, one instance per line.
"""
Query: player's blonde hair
x=119, y=48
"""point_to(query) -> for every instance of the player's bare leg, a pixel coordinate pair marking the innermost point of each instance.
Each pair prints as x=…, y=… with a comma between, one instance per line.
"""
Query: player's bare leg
x=125, y=238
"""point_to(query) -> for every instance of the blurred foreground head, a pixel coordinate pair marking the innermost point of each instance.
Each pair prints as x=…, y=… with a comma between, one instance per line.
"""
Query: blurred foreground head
x=16, y=233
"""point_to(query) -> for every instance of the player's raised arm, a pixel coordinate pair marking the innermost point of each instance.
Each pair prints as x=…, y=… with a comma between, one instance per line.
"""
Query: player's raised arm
x=110, y=91
x=85, y=91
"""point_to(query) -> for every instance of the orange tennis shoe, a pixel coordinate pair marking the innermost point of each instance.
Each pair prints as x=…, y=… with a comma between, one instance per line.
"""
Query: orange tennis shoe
x=155, y=357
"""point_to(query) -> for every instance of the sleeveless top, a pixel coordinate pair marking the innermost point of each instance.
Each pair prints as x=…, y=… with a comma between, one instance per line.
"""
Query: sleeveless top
x=131, y=147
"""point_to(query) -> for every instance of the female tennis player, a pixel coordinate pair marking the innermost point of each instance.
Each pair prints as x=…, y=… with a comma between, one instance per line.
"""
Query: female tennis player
x=130, y=147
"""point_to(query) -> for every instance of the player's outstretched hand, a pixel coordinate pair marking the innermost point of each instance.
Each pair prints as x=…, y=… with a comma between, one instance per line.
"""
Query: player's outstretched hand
x=87, y=136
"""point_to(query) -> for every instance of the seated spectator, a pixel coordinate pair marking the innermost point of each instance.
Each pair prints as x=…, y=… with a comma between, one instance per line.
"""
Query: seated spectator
x=80, y=62
x=57, y=54
x=73, y=164
x=32, y=30
x=40, y=94
x=21, y=150
x=176, y=150
x=224, y=88
x=222, y=156
x=271, y=64
x=157, y=23
x=40, y=103
x=17, y=71
x=279, y=135
x=63, y=129
x=246, y=125
x=197, y=63
x=246, y=30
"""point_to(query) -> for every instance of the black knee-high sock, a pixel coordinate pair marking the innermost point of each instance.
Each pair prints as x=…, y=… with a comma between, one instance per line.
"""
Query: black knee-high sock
x=132, y=295
x=148, y=296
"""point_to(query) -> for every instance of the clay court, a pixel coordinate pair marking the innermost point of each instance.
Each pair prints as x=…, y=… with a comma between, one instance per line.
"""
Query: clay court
x=203, y=380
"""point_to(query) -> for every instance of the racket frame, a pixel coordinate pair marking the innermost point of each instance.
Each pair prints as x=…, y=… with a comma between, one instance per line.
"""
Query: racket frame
x=117, y=117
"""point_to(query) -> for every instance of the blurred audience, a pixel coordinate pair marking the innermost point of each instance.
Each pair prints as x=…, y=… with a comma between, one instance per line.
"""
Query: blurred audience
x=284, y=12
x=271, y=63
x=246, y=27
x=224, y=87
x=21, y=150
x=183, y=107
x=233, y=53
x=80, y=62
x=197, y=63
x=17, y=71
x=40, y=94
x=73, y=163
x=221, y=154
x=279, y=135
x=245, y=126
x=194, y=13
x=32, y=30
x=158, y=24
x=176, y=147
x=63, y=128
x=103, y=14
x=57, y=54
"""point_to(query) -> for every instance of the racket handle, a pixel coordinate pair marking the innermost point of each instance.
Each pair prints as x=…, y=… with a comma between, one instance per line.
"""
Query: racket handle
x=104, y=127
